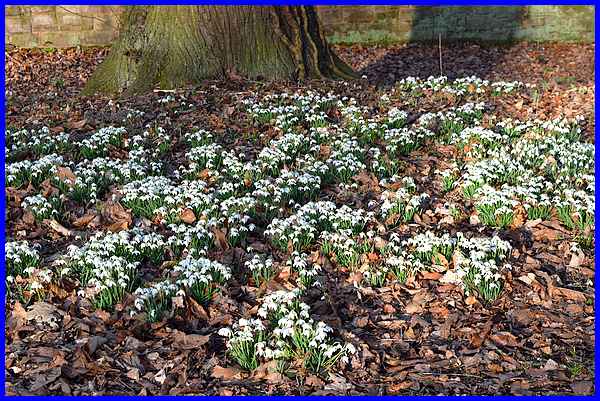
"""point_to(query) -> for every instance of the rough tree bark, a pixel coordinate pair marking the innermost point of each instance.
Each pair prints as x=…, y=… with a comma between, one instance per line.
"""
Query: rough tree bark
x=177, y=45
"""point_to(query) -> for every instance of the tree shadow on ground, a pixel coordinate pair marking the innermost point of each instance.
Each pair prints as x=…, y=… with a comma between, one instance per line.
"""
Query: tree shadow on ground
x=474, y=41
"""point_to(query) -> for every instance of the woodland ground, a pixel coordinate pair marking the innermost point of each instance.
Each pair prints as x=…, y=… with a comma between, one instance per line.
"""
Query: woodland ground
x=421, y=336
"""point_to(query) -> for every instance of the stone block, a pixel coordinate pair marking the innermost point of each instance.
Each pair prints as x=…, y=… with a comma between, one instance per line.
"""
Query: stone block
x=17, y=10
x=330, y=15
x=19, y=24
x=25, y=39
x=358, y=15
x=44, y=22
x=57, y=39
x=42, y=9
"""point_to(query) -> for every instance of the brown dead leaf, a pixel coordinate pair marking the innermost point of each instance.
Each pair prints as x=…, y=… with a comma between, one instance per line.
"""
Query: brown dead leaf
x=77, y=124
x=58, y=291
x=119, y=216
x=314, y=381
x=221, y=238
x=14, y=194
x=197, y=310
x=355, y=277
x=43, y=312
x=413, y=308
x=431, y=275
x=392, y=219
x=505, y=339
x=133, y=374
x=204, y=174
x=17, y=318
x=118, y=226
x=372, y=257
x=83, y=220
x=367, y=180
x=47, y=189
x=519, y=104
x=577, y=259
x=470, y=300
x=232, y=373
x=187, y=216
x=447, y=150
x=65, y=175
x=56, y=226
x=573, y=295
x=189, y=341
x=389, y=309
x=519, y=217
x=541, y=233
x=284, y=273
x=28, y=218
x=324, y=151
x=479, y=336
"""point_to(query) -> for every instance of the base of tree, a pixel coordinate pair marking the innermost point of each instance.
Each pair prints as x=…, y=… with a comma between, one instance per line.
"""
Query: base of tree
x=173, y=46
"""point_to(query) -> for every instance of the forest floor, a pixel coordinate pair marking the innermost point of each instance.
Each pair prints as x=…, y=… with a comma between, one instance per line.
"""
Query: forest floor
x=442, y=229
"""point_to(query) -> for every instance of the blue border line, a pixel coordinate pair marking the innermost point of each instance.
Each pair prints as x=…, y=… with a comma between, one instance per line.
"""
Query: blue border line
x=323, y=2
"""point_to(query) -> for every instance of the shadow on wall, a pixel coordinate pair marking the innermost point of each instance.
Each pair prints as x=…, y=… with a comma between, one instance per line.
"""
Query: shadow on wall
x=460, y=29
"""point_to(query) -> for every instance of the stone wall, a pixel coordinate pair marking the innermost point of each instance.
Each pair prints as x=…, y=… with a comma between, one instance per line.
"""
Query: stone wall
x=483, y=24
x=63, y=26
x=60, y=26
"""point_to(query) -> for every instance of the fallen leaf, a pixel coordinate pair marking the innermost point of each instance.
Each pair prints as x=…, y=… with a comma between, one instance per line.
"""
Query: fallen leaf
x=189, y=341
x=479, y=337
x=471, y=300
x=197, y=310
x=577, y=259
x=83, y=220
x=570, y=294
x=221, y=238
x=58, y=291
x=133, y=374
x=519, y=217
x=17, y=319
x=389, y=309
x=545, y=234
x=413, y=308
x=118, y=226
x=519, y=104
x=505, y=339
x=431, y=275
x=65, y=175
x=56, y=226
x=220, y=372
x=43, y=312
x=187, y=216
x=324, y=151
x=314, y=381
x=367, y=180
x=120, y=217
x=77, y=124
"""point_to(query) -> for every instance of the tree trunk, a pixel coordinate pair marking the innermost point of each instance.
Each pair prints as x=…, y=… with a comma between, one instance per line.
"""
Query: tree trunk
x=178, y=45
